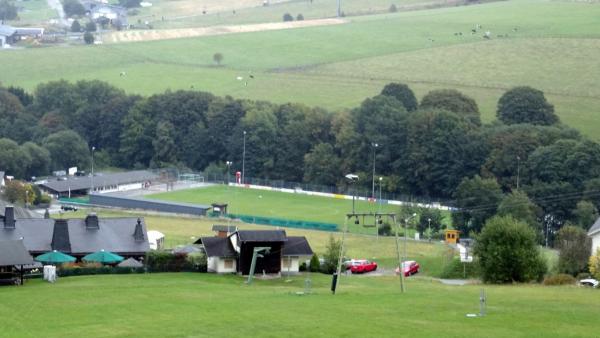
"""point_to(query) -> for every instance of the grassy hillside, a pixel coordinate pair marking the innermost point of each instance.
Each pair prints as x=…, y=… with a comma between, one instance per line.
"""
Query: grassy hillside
x=338, y=66
x=207, y=305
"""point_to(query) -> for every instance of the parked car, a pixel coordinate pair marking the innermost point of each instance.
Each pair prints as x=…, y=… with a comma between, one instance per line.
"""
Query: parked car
x=68, y=208
x=589, y=282
x=410, y=268
x=362, y=266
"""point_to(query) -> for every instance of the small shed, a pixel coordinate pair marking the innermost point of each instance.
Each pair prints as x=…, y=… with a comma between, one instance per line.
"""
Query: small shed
x=451, y=236
x=219, y=209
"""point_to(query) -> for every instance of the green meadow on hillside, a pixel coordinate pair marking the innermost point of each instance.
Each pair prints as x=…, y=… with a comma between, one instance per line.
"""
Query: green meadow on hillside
x=339, y=66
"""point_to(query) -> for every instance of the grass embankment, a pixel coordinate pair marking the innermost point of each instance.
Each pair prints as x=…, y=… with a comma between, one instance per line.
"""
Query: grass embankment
x=206, y=305
x=550, y=45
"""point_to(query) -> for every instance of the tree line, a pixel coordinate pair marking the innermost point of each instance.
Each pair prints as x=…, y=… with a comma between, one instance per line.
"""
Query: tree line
x=525, y=162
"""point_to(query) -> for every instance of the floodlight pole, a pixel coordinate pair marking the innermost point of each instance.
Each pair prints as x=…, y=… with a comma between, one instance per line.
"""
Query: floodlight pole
x=339, y=8
x=92, y=190
x=375, y=145
x=244, y=160
x=429, y=221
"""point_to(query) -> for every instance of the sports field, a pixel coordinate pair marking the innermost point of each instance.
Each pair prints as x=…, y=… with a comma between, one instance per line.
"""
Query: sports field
x=278, y=204
x=550, y=45
x=207, y=305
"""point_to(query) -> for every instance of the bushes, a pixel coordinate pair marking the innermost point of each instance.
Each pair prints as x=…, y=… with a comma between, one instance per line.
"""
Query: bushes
x=455, y=269
x=288, y=17
x=385, y=230
x=507, y=252
x=314, y=265
x=161, y=261
x=560, y=279
x=101, y=270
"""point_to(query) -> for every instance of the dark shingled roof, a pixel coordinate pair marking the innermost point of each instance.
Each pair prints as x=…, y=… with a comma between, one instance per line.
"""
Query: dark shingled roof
x=217, y=247
x=224, y=228
x=14, y=253
x=19, y=212
x=261, y=235
x=595, y=228
x=113, y=234
x=297, y=246
x=100, y=180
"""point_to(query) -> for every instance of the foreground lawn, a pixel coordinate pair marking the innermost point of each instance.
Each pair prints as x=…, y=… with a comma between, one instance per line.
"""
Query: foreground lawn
x=206, y=305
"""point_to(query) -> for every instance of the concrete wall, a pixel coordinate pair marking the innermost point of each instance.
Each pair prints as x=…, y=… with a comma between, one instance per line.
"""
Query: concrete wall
x=155, y=205
x=595, y=243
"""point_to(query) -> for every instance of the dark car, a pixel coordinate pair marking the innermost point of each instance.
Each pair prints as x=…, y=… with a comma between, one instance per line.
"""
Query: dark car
x=68, y=208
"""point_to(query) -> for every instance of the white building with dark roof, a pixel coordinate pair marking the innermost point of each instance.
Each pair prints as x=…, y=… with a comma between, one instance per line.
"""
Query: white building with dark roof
x=594, y=234
x=234, y=253
x=69, y=186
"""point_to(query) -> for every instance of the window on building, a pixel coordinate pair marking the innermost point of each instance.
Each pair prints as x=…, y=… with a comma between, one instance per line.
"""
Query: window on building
x=228, y=264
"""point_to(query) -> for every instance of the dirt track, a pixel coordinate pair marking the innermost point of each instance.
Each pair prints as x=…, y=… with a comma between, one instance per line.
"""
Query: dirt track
x=149, y=35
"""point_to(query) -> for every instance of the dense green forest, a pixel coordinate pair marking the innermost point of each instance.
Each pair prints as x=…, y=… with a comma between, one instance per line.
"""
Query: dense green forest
x=526, y=162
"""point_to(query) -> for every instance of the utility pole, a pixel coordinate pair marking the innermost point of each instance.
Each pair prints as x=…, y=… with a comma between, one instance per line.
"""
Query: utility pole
x=375, y=145
x=339, y=8
x=92, y=190
x=244, y=160
x=429, y=221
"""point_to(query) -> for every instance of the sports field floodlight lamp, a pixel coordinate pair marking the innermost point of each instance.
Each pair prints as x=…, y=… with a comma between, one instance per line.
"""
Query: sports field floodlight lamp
x=352, y=177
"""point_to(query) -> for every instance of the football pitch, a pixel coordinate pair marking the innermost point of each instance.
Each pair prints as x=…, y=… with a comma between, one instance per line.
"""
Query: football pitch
x=276, y=204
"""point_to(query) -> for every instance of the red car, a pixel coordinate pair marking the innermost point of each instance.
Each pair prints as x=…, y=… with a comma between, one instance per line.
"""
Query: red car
x=410, y=268
x=362, y=266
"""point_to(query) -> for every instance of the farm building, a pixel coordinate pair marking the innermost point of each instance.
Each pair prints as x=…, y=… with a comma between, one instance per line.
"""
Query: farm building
x=125, y=236
x=10, y=35
x=70, y=186
x=234, y=253
x=594, y=234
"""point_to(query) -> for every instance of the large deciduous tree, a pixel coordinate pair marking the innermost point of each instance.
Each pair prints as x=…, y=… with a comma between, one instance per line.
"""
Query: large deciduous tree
x=13, y=160
x=454, y=101
x=402, y=93
x=518, y=205
x=39, y=157
x=525, y=105
x=574, y=247
x=8, y=10
x=321, y=165
x=585, y=214
x=67, y=149
x=477, y=200
x=442, y=149
x=507, y=252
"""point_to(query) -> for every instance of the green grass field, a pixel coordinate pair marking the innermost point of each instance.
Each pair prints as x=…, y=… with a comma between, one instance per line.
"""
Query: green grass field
x=554, y=49
x=279, y=205
x=207, y=305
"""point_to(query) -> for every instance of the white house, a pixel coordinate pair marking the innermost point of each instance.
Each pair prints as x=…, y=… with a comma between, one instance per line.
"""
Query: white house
x=594, y=234
x=221, y=258
x=233, y=254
